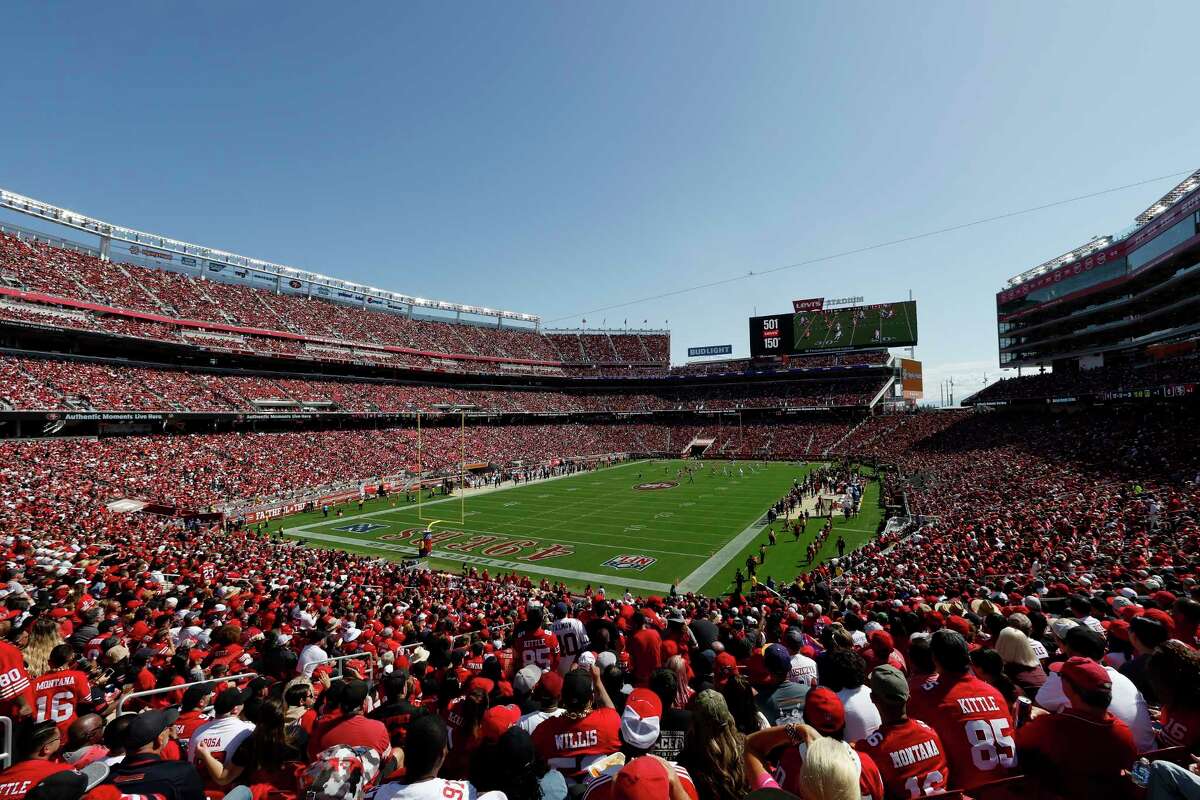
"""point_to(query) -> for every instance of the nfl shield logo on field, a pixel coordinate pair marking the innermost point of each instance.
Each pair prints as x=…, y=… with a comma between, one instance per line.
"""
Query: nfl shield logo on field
x=638, y=563
x=361, y=527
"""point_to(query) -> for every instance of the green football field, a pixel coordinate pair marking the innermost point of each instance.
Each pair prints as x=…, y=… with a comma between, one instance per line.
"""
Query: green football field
x=635, y=526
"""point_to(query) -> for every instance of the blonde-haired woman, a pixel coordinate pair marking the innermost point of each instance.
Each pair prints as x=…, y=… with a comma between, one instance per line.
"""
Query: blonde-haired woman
x=1021, y=663
x=43, y=637
x=684, y=694
x=713, y=749
x=830, y=771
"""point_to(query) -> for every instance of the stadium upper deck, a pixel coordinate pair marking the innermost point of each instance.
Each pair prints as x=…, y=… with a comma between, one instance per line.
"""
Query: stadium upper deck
x=1115, y=297
x=171, y=289
x=183, y=297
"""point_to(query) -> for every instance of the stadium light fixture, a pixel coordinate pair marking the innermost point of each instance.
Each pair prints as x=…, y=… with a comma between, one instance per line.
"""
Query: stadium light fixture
x=1181, y=190
x=73, y=219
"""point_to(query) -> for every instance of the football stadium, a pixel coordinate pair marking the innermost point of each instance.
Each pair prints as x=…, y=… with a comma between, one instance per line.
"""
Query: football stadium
x=281, y=519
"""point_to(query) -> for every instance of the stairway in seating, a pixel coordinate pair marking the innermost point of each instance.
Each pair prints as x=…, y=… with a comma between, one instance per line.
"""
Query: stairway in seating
x=199, y=285
x=645, y=350
x=844, y=437
x=158, y=301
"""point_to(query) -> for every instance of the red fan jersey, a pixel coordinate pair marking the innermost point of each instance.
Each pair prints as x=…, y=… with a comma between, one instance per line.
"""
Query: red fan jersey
x=910, y=758
x=602, y=787
x=570, y=744
x=1180, y=726
x=16, y=781
x=537, y=647
x=57, y=695
x=14, y=680
x=972, y=720
x=186, y=724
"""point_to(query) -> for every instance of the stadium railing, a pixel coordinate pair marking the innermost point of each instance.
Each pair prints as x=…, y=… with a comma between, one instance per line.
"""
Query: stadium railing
x=408, y=648
x=179, y=688
x=340, y=663
x=1176, y=755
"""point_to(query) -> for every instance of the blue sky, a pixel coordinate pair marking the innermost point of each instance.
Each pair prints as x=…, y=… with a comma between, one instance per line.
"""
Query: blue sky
x=559, y=157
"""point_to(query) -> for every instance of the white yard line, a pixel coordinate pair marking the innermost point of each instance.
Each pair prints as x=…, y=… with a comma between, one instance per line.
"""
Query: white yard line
x=470, y=493
x=692, y=583
x=708, y=570
x=594, y=578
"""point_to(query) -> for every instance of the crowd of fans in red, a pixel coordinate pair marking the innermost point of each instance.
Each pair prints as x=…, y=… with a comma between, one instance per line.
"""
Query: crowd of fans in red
x=40, y=267
x=320, y=330
x=199, y=471
x=1112, y=379
x=48, y=384
x=1038, y=618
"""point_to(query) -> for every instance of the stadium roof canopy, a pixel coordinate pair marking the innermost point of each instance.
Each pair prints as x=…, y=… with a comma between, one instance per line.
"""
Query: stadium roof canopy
x=1100, y=242
x=107, y=230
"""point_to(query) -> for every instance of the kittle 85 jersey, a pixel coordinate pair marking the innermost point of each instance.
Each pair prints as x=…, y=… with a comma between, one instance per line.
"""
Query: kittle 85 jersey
x=537, y=647
x=972, y=720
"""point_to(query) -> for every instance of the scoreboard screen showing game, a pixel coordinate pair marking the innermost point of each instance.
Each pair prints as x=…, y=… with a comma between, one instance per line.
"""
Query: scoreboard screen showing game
x=849, y=328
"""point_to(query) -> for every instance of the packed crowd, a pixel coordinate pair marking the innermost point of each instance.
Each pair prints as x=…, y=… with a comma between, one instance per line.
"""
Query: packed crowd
x=1102, y=380
x=43, y=268
x=1038, y=618
x=228, y=660
x=51, y=384
x=227, y=470
x=274, y=324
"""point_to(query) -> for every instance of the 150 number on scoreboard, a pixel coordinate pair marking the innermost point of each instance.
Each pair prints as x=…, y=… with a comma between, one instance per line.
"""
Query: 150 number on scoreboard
x=770, y=335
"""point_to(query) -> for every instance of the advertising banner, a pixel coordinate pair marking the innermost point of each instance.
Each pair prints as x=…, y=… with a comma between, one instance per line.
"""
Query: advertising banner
x=710, y=350
x=812, y=304
x=911, y=380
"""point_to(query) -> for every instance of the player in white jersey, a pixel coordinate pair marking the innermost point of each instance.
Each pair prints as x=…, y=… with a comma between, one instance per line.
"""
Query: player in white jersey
x=424, y=752
x=572, y=637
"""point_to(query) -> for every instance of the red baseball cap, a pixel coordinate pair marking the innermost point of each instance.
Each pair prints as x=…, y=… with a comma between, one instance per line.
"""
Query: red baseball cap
x=549, y=686
x=496, y=720
x=642, y=779
x=725, y=662
x=640, y=722
x=823, y=710
x=960, y=624
x=1084, y=674
x=1118, y=628
x=1160, y=616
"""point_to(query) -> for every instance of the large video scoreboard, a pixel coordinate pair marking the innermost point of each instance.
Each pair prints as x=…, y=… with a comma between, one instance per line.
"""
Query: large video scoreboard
x=849, y=328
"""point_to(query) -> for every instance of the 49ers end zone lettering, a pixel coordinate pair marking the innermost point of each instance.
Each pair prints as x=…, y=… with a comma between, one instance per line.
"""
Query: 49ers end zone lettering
x=484, y=544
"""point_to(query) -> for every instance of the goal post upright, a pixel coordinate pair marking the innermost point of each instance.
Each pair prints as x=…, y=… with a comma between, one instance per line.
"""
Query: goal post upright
x=461, y=475
x=462, y=467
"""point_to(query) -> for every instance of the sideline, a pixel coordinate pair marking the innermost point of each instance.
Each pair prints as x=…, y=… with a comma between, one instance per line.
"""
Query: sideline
x=452, y=499
x=593, y=578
